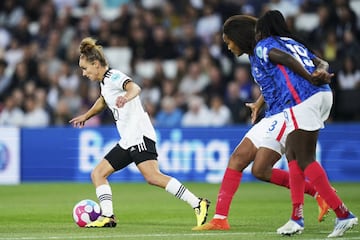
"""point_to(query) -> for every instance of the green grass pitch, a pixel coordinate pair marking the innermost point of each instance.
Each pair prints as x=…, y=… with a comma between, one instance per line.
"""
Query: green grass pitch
x=44, y=211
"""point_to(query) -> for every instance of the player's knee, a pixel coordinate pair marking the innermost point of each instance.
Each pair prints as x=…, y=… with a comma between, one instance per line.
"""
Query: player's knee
x=239, y=161
x=258, y=173
x=97, y=175
x=261, y=172
x=152, y=180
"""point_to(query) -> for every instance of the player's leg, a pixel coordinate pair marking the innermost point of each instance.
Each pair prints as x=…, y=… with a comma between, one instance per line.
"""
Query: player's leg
x=299, y=152
x=263, y=169
x=99, y=177
x=241, y=157
x=150, y=170
x=318, y=177
x=103, y=192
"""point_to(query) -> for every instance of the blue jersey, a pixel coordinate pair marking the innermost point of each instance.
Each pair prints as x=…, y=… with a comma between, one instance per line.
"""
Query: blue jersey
x=280, y=86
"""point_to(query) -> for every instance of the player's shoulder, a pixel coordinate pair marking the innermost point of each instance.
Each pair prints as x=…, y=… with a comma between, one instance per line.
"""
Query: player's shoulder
x=115, y=75
x=264, y=46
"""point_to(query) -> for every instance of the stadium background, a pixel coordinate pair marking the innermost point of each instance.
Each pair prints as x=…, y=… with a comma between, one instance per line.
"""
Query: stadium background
x=193, y=88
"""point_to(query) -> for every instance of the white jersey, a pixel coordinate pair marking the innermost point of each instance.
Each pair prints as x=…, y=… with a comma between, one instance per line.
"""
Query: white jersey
x=132, y=122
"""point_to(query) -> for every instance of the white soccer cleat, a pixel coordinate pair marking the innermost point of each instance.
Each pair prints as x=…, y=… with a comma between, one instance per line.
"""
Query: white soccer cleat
x=342, y=225
x=291, y=227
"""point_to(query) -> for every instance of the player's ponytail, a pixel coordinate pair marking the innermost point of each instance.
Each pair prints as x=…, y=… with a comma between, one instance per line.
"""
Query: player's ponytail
x=273, y=23
x=91, y=51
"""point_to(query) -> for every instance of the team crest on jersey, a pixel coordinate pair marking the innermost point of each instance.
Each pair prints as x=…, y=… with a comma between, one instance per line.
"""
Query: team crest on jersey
x=256, y=72
x=115, y=77
x=259, y=52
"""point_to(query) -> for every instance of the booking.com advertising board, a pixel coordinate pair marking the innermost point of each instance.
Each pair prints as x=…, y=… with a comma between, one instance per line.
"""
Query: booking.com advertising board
x=189, y=154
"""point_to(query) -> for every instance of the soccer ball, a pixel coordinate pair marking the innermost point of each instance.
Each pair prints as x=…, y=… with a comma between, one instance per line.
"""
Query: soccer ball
x=86, y=211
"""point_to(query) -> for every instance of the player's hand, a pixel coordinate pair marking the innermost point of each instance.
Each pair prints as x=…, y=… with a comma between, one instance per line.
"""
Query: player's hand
x=79, y=121
x=320, y=77
x=120, y=101
x=254, y=111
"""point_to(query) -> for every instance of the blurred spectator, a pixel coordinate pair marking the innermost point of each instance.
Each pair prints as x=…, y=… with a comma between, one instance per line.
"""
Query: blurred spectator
x=68, y=79
x=243, y=78
x=11, y=13
x=14, y=53
x=316, y=36
x=220, y=114
x=62, y=113
x=150, y=92
x=287, y=7
x=11, y=114
x=216, y=86
x=20, y=76
x=342, y=18
x=188, y=44
x=194, y=82
x=150, y=109
x=349, y=75
x=169, y=115
x=35, y=114
x=330, y=48
x=5, y=79
x=208, y=24
x=350, y=47
x=239, y=112
x=198, y=114
x=162, y=46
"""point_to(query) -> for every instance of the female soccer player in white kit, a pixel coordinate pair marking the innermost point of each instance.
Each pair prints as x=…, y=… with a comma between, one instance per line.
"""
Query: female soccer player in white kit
x=137, y=144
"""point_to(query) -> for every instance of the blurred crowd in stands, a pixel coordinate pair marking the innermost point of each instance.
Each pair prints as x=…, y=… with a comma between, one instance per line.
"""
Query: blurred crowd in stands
x=172, y=49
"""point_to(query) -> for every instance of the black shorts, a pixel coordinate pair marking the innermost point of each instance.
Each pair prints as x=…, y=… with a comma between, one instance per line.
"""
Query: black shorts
x=119, y=157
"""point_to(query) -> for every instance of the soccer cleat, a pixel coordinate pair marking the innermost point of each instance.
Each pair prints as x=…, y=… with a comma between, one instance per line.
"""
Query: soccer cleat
x=201, y=211
x=102, y=221
x=323, y=208
x=214, y=224
x=292, y=227
x=342, y=225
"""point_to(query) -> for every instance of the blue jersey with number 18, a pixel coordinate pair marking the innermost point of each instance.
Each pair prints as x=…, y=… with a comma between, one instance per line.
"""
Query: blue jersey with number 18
x=281, y=87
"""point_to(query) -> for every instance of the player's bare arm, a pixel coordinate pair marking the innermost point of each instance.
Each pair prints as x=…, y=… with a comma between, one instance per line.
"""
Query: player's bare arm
x=98, y=107
x=132, y=90
x=278, y=56
x=321, y=74
x=255, y=107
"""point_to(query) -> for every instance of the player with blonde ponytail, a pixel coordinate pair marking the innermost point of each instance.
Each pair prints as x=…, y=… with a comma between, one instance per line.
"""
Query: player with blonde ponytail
x=137, y=144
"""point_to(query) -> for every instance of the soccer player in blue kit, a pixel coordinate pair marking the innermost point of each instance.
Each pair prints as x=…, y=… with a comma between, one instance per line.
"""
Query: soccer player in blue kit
x=239, y=36
x=137, y=143
x=304, y=103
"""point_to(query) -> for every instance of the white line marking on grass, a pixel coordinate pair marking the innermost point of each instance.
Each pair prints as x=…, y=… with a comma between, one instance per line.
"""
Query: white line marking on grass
x=157, y=235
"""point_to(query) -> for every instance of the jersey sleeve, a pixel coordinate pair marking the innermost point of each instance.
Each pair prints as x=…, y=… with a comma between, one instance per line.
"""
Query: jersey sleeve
x=119, y=79
x=263, y=48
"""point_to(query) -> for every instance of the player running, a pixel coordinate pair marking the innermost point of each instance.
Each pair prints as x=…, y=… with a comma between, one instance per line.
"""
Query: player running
x=137, y=144
x=306, y=103
x=239, y=36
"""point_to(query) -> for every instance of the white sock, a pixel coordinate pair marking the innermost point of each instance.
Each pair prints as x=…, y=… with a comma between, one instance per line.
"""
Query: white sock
x=218, y=216
x=180, y=191
x=104, y=194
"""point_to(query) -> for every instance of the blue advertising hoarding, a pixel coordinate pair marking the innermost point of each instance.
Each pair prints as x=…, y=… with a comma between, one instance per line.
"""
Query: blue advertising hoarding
x=189, y=154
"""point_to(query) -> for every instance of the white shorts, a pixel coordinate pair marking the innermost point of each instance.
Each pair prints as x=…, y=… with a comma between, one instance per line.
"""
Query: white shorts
x=266, y=132
x=309, y=115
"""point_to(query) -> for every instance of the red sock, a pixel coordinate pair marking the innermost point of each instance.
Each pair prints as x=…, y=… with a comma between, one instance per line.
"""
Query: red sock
x=229, y=185
x=318, y=178
x=297, y=187
x=281, y=177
